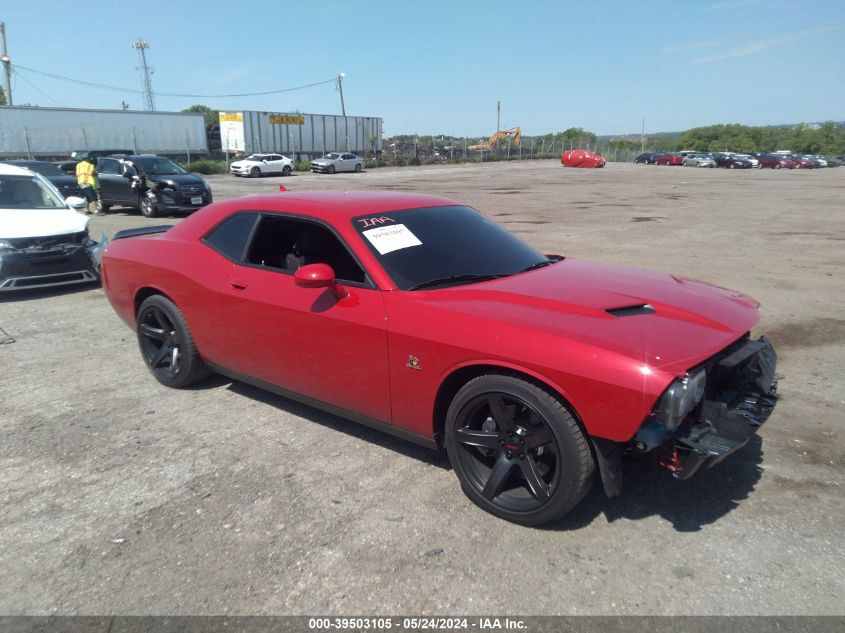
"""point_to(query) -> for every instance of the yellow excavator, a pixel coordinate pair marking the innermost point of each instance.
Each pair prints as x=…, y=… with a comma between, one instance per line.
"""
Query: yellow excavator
x=513, y=133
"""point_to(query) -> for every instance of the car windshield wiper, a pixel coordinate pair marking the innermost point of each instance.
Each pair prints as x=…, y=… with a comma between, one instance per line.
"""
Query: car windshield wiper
x=455, y=279
x=534, y=266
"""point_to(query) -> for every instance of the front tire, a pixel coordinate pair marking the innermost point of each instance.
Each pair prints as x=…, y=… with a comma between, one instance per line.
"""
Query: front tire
x=149, y=207
x=255, y=172
x=331, y=169
x=517, y=451
x=166, y=344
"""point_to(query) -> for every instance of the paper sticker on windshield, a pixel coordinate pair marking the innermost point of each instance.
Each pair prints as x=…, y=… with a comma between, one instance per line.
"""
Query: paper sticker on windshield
x=387, y=239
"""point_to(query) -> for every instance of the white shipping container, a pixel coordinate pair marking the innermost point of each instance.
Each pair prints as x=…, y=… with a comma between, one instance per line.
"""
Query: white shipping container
x=295, y=133
x=26, y=131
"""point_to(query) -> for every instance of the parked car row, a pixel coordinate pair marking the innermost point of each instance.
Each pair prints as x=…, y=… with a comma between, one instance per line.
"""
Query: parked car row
x=148, y=182
x=734, y=160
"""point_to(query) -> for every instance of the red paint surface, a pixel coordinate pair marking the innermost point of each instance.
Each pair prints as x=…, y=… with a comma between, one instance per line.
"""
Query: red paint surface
x=550, y=323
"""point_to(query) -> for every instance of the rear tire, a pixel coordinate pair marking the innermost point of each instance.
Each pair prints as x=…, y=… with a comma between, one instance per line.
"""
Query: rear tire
x=516, y=450
x=166, y=344
x=102, y=207
x=357, y=168
x=286, y=170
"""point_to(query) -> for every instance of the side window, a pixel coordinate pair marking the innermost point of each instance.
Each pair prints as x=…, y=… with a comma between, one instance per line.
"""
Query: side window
x=107, y=166
x=288, y=243
x=230, y=237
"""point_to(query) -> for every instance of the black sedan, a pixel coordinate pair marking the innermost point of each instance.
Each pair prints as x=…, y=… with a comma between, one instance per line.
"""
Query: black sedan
x=732, y=162
x=647, y=158
x=65, y=183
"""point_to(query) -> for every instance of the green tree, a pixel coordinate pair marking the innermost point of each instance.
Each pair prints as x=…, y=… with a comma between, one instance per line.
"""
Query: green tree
x=212, y=116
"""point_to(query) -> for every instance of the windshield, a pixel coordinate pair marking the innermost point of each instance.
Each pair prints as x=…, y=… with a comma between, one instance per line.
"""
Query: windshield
x=256, y=157
x=158, y=166
x=416, y=246
x=45, y=169
x=28, y=192
x=333, y=156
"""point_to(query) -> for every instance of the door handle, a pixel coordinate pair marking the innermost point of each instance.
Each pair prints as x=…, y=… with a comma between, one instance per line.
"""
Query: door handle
x=238, y=283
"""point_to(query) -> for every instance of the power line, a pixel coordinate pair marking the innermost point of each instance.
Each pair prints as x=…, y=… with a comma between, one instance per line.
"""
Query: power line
x=173, y=94
x=37, y=89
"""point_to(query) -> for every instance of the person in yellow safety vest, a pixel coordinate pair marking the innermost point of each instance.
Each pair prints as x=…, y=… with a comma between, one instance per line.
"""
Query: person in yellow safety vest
x=86, y=176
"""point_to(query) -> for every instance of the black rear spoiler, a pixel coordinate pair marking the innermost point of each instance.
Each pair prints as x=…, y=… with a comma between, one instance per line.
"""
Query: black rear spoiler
x=147, y=230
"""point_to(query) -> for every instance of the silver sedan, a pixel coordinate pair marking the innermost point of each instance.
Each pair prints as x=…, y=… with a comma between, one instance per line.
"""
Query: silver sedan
x=336, y=161
x=699, y=160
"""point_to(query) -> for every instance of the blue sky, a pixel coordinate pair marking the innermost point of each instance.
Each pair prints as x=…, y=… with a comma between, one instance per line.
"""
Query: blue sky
x=440, y=66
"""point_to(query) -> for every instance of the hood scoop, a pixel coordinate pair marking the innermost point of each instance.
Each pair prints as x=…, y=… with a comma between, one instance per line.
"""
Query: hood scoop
x=634, y=310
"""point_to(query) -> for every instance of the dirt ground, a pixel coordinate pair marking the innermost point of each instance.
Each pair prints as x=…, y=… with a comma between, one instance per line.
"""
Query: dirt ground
x=119, y=496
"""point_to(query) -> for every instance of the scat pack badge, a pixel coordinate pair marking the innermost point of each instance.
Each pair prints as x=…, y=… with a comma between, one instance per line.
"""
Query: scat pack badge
x=413, y=362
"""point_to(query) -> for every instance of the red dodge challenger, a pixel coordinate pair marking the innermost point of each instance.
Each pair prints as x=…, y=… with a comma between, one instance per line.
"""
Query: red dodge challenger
x=422, y=317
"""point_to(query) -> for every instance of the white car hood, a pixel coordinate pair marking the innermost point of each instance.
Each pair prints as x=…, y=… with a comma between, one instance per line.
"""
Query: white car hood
x=245, y=163
x=15, y=223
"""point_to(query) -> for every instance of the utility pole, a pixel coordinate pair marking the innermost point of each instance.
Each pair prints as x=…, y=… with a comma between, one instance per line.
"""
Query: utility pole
x=146, y=84
x=7, y=66
x=642, y=137
x=498, y=124
x=340, y=89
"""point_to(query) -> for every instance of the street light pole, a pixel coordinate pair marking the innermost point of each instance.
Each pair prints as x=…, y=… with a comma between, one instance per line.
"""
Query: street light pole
x=340, y=89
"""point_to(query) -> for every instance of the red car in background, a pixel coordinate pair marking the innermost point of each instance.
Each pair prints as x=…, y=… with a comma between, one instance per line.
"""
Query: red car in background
x=774, y=161
x=421, y=317
x=582, y=158
x=803, y=163
x=669, y=159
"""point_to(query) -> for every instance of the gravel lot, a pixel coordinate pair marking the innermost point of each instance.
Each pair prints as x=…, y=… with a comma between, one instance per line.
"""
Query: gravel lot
x=120, y=496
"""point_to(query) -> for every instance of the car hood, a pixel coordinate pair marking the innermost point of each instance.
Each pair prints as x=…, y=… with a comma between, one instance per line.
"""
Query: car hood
x=323, y=161
x=669, y=322
x=245, y=163
x=16, y=223
x=177, y=179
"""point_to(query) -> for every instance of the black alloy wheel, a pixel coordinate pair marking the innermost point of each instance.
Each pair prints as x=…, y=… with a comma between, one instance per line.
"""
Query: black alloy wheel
x=357, y=168
x=167, y=345
x=517, y=450
x=255, y=172
x=331, y=169
x=286, y=170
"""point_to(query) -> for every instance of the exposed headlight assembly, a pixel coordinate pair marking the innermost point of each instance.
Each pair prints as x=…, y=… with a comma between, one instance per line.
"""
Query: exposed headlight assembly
x=680, y=398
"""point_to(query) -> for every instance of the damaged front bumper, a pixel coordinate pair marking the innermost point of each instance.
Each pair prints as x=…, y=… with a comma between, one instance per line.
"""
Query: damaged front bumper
x=51, y=261
x=741, y=400
x=740, y=396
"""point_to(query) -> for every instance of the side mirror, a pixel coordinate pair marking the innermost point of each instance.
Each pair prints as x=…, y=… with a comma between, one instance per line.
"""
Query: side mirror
x=75, y=202
x=319, y=276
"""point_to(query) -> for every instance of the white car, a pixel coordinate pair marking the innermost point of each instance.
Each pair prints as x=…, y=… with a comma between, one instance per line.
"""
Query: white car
x=337, y=161
x=44, y=241
x=256, y=165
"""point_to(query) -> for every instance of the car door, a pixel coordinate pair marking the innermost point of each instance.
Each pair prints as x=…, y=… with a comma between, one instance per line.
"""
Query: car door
x=304, y=340
x=348, y=162
x=109, y=179
x=275, y=163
